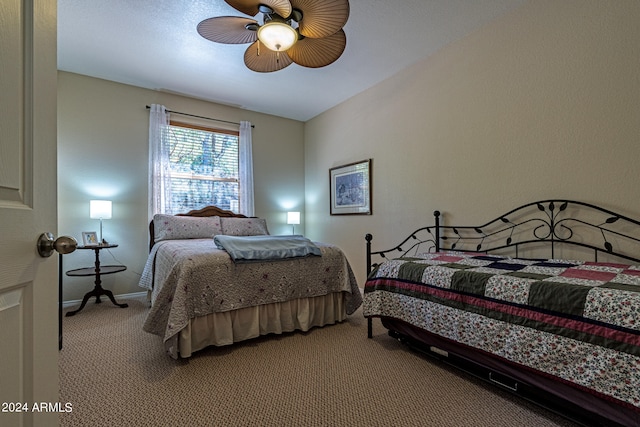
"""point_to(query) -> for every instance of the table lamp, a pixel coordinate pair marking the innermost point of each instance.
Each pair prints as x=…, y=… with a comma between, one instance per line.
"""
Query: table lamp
x=293, y=218
x=100, y=209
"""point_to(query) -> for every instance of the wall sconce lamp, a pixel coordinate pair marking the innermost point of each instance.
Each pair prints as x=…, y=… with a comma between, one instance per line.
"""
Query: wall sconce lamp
x=293, y=218
x=100, y=209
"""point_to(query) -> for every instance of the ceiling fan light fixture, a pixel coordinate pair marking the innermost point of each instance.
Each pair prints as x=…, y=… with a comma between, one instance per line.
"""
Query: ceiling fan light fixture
x=277, y=36
x=306, y=32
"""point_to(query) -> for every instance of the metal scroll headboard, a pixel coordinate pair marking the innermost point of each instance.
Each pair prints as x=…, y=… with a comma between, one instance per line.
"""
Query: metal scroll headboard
x=549, y=223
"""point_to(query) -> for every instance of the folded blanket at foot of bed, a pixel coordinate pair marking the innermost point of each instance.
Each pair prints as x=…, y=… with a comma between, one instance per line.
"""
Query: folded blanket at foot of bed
x=245, y=248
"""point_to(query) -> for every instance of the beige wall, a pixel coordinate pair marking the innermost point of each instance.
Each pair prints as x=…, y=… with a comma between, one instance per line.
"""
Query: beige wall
x=542, y=103
x=103, y=153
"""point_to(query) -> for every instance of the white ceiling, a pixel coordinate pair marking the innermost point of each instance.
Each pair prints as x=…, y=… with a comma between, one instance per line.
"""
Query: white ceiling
x=154, y=44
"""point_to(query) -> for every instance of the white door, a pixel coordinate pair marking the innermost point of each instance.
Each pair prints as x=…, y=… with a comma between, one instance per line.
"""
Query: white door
x=28, y=282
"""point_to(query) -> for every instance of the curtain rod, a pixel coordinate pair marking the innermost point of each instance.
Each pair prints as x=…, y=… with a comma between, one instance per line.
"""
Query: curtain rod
x=200, y=117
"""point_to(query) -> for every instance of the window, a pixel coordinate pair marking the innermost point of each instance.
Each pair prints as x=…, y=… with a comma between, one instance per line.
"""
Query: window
x=204, y=167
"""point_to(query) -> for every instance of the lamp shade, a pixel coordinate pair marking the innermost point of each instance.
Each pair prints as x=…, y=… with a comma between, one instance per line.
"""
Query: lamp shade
x=293, y=217
x=277, y=36
x=100, y=209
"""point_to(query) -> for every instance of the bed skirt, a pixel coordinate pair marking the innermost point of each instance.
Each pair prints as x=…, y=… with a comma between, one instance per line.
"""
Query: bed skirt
x=226, y=328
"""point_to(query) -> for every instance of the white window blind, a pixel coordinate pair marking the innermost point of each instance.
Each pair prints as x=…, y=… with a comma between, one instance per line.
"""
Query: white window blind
x=204, y=168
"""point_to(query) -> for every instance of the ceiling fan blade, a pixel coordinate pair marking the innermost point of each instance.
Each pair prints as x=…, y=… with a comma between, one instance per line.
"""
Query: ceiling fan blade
x=228, y=29
x=315, y=53
x=258, y=58
x=252, y=7
x=321, y=19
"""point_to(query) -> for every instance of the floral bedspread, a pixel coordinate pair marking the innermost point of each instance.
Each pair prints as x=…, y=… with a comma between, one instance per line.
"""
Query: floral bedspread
x=191, y=278
x=572, y=320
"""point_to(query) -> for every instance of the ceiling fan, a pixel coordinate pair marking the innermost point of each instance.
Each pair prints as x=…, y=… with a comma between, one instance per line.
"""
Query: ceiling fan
x=307, y=32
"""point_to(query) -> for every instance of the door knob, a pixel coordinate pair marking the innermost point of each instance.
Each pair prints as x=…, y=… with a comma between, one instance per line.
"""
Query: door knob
x=63, y=244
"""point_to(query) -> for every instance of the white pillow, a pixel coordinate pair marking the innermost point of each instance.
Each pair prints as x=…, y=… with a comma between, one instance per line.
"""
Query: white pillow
x=244, y=226
x=172, y=227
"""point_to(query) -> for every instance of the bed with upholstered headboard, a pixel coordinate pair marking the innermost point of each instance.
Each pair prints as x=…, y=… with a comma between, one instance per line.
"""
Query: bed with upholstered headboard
x=512, y=301
x=215, y=278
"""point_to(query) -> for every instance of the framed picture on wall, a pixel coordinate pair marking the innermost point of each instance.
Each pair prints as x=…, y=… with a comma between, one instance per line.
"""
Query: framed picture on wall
x=350, y=189
x=89, y=238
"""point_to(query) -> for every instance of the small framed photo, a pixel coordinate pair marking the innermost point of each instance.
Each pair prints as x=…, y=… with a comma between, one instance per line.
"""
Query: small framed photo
x=89, y=238
x=350, y=189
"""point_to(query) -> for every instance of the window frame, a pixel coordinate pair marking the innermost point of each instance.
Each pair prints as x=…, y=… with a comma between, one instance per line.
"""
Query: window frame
x=210, y=178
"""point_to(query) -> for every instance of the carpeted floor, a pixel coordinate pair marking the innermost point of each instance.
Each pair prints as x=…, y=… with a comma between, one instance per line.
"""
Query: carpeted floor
x=115, y=374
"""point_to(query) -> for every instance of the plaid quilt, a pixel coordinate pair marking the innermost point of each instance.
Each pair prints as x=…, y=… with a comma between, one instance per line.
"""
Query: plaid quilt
x=577, y=321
